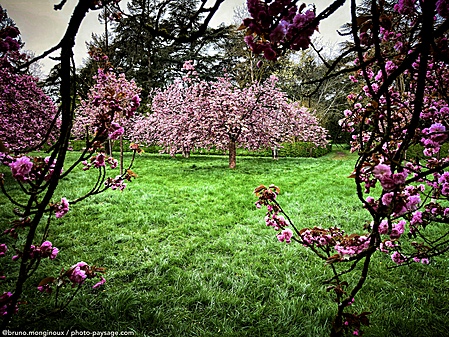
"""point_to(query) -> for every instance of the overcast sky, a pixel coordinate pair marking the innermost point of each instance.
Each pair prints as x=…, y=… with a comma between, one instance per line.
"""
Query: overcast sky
x=42, y=27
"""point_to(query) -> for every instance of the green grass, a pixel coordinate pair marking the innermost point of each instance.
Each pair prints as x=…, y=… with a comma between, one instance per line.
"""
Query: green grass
x=188, y=254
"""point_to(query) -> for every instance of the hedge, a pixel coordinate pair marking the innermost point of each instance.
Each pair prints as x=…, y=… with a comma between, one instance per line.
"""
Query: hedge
x=297, y=149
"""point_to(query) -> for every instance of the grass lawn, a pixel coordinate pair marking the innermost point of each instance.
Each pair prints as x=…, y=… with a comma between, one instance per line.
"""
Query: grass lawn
x=188, y=254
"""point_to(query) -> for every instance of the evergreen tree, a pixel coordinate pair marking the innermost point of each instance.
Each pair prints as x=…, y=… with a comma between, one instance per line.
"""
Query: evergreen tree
x=151, y=42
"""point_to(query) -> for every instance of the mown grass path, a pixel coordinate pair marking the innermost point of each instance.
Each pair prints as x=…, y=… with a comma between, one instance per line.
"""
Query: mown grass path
x=188, y=254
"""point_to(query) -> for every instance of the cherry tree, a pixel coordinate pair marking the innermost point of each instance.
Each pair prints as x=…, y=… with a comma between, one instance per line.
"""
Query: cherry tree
x=107, y=111
x=400, y=49
x=193, y=114
x=28, y=117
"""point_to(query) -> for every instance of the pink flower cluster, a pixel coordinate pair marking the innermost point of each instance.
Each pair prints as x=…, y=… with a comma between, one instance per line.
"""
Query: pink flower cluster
x=409, y=7
x=418, y=205
x=266, y=197
x=352, y=245
x=27, y=169
x=21, y=168
x=45, y=250
x=107, y=112
x=388, y=180
x=76, y=275
x=3, y=249
x=344, y=245
x=5, y=299
x=118, y=183
x=100, y=160
x=61, y=208
x=278, y=25
x=285, y=235
x=320, y=237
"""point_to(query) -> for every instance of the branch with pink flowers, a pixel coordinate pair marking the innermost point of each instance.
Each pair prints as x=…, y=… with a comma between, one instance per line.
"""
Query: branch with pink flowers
x=399, y=125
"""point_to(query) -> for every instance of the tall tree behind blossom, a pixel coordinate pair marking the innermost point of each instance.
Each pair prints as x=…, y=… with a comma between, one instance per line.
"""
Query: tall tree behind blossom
x=196, y=114
x=153, y=61
x=402, y=69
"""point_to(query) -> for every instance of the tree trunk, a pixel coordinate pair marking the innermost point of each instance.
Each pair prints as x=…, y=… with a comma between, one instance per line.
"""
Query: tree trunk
x=3, y=148
x=121, y=155
x=232, y=154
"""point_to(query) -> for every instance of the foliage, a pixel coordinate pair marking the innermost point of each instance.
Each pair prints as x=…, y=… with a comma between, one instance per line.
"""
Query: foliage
x=303, y=79
x=135, y=46
x=303, y=149
x=403, y=103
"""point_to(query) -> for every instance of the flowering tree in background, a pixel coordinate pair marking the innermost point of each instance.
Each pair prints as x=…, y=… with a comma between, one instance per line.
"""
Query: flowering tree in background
x=399, y=124
x=193, y=114
x=111, y=103
x=28, y=117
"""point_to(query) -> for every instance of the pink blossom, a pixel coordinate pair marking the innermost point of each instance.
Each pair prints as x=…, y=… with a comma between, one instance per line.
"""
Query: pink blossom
x=397, y=230
x=99, y=284
x=446, y=212
x=21, y=168
x=387, y=198
x=3, y=249
x=413, y=202
x=46, y=246
x=279, y=32
x=383, y=227
x=442, y=8
x=112, y=162
x=438, y=133
x=62, y=208
x=354, y=246
x=285, y=235
x=99, y=160
x=115, y=131
x=381, y=170
x=400, y=177
x=398, y=258
x=405, y=7
x=78, y=274
x=416, y=218
x=54, y=253
x=4, y=299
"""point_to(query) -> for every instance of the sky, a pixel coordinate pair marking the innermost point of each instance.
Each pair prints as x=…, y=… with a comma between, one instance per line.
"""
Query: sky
x=42, y=27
